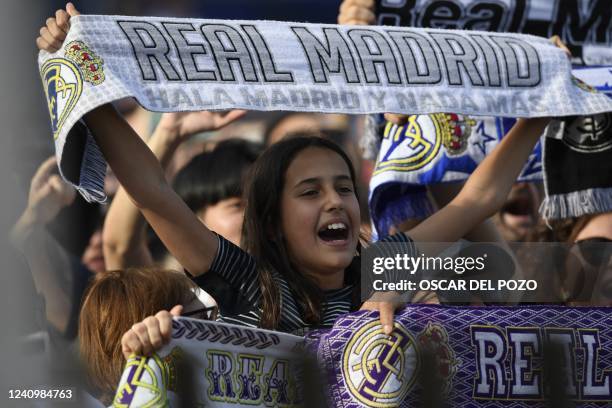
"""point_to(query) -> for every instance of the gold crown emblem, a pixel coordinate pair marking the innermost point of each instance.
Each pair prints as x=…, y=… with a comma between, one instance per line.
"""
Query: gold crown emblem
x=170, y=363
x=89, y=63
x=455, y=131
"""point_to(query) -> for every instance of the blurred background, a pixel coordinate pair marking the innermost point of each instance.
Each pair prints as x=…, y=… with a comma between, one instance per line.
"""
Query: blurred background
x=315, y=11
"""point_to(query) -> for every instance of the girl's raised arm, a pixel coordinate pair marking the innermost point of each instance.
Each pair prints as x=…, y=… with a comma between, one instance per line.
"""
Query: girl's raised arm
x=139, y=172
x=486, y=189
x=124, y=228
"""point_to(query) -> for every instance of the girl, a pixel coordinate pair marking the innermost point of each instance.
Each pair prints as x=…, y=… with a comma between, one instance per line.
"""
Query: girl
x=301, y=219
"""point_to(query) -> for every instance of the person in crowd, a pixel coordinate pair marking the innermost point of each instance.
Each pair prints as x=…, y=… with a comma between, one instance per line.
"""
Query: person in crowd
x=311, y=211
x=519, y=216
x=210, y=184
x=113, y=301
x=590, y=238
x=58, y=275
x=584, y=262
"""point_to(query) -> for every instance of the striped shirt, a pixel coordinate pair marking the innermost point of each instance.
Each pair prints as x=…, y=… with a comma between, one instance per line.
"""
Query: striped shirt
x=237, y=270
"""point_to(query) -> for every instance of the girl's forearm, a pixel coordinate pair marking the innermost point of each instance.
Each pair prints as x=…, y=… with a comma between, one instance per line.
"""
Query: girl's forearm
x=138, y=170
x=492, y=180
x=135, y=166
x=124, y=227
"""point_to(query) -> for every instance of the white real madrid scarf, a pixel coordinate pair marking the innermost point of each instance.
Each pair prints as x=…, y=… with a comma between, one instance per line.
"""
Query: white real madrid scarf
x=172, y=64
x=215, y=365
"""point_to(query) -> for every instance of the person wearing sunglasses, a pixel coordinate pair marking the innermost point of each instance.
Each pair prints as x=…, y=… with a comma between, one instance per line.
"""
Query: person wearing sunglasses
x=587, y=276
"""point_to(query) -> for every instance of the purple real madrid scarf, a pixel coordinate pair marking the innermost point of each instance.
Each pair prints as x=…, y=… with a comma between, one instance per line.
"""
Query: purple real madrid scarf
x=458, y=356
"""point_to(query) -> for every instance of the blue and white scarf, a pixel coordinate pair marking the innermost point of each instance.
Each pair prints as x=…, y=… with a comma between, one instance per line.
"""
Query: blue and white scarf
x=441, y=148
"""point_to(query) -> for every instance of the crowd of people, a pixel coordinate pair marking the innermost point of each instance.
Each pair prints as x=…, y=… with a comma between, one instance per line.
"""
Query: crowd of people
x=251, y=219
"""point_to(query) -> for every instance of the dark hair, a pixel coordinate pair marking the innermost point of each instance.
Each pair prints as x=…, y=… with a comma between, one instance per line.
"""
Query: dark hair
x=262, y=236
x=217, y=175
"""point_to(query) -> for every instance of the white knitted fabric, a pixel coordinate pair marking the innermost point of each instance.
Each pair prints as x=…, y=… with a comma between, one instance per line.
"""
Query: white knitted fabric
x=170, y=64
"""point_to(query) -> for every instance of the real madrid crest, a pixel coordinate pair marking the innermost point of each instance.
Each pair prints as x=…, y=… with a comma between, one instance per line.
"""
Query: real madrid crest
x=455, y=130
x=63, y=80
x=417, y=143
x=143, y=383
x=379, y=370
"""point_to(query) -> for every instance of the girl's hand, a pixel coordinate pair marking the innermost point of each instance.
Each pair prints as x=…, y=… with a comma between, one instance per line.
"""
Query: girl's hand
x=386, y=305
x=556, y=40
x=150, y=334
x=396, y=118
x=183, y=125
x=357, y=12
x=53, y=33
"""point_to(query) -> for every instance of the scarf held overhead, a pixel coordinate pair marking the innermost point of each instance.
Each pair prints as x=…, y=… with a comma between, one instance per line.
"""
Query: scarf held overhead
x=467, y=356
x=441, y=148
x=184, y=65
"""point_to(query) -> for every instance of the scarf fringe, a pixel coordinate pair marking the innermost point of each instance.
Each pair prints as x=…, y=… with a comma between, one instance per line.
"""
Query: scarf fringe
x=93, y=172
x=576, y=203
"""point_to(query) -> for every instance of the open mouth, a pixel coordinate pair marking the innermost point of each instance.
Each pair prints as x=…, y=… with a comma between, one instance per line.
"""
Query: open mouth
x=337, y=231
x=520, y=206
x=518, y=212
